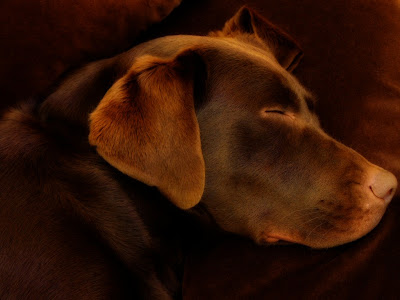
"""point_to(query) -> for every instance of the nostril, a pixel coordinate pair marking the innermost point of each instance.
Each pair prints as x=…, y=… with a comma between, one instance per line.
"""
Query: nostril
x=384, y=185
x=384, y=197
x=389, y=195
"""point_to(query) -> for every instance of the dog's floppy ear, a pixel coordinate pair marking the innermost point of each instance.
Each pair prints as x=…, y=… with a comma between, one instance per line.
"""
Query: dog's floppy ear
x=248, y=22
x=146, y=126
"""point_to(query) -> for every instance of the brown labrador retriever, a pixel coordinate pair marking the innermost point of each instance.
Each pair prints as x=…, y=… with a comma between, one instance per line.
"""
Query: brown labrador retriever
x=217, y=120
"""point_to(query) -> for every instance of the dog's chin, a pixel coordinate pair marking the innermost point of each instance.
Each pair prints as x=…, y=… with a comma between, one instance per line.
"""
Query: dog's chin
x=320, y=240
x=354, y=232
x=277, y=239
x=270, y=240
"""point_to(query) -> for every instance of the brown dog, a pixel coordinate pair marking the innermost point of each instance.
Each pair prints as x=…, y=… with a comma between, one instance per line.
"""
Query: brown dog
x=217, y=120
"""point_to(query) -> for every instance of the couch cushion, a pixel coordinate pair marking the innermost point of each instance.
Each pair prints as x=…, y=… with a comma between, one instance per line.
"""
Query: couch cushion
x=42, y=39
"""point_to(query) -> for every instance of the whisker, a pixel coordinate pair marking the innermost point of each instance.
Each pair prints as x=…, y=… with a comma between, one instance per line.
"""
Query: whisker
x=311, y=210
x=308, y=235
x=312, y=219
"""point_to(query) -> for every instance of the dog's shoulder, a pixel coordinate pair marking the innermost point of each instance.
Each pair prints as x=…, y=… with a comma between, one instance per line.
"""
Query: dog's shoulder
x=65, y=215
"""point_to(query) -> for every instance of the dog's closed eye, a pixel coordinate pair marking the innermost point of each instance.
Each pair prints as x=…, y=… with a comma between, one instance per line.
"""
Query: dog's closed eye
x=276, y=111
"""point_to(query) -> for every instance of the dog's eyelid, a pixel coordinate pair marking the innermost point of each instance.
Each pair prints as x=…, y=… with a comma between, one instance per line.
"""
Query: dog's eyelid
x=278, y=112
x=275, y=111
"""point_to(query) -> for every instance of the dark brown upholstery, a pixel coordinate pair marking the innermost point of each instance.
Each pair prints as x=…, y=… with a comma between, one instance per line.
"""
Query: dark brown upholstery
x=39, y=40
x=351, y=63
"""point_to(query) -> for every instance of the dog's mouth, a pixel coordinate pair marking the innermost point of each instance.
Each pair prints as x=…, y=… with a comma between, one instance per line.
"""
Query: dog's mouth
x=268, y=238
x=324, y=233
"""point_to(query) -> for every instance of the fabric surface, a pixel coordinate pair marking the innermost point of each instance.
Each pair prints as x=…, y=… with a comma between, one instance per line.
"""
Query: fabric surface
x=352, y=65
x=40, y=40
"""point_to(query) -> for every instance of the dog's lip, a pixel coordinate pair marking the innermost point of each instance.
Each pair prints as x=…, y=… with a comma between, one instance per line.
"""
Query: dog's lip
x=274, y=238
x=271, y=239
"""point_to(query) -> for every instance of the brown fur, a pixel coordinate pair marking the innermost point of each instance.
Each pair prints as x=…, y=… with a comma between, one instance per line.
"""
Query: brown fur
x=75, y=227
x=69, y=226
x=168, y=153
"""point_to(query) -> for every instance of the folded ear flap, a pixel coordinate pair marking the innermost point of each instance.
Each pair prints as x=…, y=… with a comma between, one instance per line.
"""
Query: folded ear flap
x=248, y=22
x=146, y=127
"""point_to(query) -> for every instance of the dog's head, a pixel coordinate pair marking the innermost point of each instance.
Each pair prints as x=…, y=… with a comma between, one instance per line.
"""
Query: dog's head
x=221, y=119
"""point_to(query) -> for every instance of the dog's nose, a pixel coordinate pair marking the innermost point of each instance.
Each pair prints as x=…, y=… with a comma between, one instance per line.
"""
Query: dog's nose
x=383, y=185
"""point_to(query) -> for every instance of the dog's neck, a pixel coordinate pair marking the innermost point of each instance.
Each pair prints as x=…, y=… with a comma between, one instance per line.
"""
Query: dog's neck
x=175, y=231
x=189, y=226
x=72, y=100
x=65, y=114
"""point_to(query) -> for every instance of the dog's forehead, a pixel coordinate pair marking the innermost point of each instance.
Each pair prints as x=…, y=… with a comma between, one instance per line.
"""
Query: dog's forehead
x=240, y=53
x=222, y=48
x=252, y=76
x=239, y=69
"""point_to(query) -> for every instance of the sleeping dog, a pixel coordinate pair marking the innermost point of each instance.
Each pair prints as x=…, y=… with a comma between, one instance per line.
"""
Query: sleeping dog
x=100, y=179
